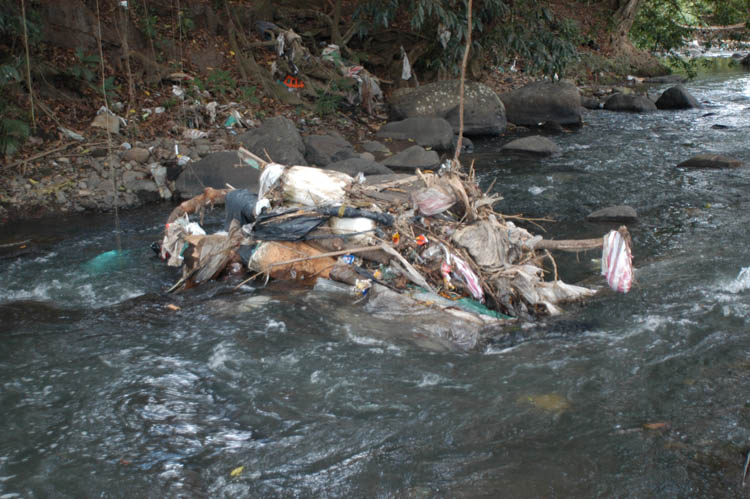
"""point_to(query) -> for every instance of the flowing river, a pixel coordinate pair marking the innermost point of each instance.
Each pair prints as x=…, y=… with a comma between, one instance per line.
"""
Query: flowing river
x=105, y=392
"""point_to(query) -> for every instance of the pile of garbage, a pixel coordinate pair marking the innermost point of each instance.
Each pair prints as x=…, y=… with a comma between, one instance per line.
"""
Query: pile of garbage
x=433, y=237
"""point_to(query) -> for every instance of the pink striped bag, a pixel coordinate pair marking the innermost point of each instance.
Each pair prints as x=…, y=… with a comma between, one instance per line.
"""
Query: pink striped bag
x=617, y=262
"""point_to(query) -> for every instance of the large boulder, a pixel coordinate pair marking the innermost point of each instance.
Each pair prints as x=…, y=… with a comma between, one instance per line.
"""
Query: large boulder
x=677, y=97
x=710, y=161
x=353, y=166
x=321, y=150
x=630, y=102
x=216, y=170
x=412, y=158
x=535, y=145
x=426, y=131
x=484, y=113
x=280, y=138
x=543, y=101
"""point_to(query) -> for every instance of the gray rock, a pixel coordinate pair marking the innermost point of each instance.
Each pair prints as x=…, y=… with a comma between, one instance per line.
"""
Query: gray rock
x=467, y=145
x=426, y=131
x=203, y=149
x=322, y=150
x=543, y=101
x=374, y=146
x=137, y=154
x=677, y=97
x=93, y=180
x=484, y=113
x=590, y=102
x=710, y=161
x=136, y=181
x=367, y=155
x=412, y=158
x=353, y=166
x=631, y=102
x=619, y=214
x=216, y=170
x=280, y=138
x=535, y=144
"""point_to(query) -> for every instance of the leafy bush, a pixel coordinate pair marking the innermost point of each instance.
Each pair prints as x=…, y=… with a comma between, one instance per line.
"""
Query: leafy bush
x=327, y=99
x=659, y=26
x=507, y=29
x=13, y=131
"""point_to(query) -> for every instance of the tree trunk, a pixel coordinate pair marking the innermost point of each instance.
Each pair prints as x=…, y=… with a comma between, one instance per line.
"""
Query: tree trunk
x=623, y=17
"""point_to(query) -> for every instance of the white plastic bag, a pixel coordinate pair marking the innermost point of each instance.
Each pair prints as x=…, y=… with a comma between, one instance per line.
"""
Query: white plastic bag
x=314, y=187
x=617, y=262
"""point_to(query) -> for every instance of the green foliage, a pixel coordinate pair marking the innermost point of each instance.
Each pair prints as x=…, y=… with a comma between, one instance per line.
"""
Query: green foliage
x=13, y=131
x=662, y=25
x=186, y=23
x=170, y=103
x=659, y=26
x=14, y=127
x=547, y=44
x=9, y=73
x=148, y=26
x=505, y=29
x=250, y=94
x=86, y=67
x=220, y=81
x=11, y=25
x=327, y=99
x=86, y=70
x=430, y=18
x=721, y=12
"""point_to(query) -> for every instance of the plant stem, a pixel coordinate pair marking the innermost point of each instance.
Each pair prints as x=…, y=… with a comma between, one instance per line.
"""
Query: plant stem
x=28, y=64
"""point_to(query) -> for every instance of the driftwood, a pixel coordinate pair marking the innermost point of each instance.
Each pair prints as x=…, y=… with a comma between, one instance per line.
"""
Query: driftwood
x=569, y=244
x=198, y=203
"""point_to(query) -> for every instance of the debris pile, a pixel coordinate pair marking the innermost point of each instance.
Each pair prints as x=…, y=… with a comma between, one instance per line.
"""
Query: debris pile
x=434, y=236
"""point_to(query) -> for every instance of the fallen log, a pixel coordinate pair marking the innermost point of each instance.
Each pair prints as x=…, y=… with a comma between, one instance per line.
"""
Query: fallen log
x=198, y=203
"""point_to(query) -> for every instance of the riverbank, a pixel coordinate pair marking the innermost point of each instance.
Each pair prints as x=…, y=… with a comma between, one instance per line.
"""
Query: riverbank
x=79, y=170
x=69, y=176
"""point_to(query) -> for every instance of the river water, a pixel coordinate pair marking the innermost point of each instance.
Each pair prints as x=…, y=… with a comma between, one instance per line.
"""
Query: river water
x=292, y=393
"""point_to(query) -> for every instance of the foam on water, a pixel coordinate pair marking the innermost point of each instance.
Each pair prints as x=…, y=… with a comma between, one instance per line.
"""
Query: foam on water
x=740, y=283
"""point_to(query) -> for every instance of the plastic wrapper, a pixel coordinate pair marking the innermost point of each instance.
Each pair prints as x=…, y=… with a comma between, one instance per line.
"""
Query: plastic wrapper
x=353, y=229
x=432, y=201
x=314, y=187
x=270, y=253
x=617, y=262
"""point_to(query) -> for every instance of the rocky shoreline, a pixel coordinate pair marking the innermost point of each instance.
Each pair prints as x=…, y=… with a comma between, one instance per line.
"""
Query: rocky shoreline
x=78, y=178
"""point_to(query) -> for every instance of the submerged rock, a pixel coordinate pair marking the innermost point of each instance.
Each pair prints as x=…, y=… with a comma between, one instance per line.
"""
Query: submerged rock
x=630, y=102
x=535, y=144
x=620, y=214
x=677, y=97
x=710, y=161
